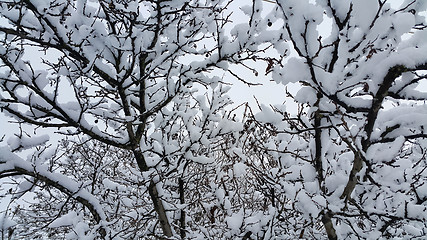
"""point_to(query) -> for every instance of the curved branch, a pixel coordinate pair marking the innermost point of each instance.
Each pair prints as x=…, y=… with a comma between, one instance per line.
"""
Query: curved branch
x=13, y=165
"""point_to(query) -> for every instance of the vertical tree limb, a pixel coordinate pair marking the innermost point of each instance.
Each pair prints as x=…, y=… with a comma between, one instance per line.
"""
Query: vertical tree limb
x=326, y=220
x=181, y=201
x=155, y=198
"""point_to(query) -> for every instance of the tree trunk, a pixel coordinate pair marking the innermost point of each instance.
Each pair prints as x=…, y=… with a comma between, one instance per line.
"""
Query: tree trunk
x=160, y=209
x=327, y=222
x=154, y=194
x=181, y=201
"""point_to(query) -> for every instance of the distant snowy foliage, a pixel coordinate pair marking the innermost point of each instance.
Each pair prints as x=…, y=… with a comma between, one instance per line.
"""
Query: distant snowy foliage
x=352, y=160
x=154, y=148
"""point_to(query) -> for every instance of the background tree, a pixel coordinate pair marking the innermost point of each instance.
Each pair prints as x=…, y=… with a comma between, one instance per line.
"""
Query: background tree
x=351, y=160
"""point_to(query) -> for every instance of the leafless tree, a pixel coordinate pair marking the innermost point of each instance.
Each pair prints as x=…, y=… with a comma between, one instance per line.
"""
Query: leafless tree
x=128, y=74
